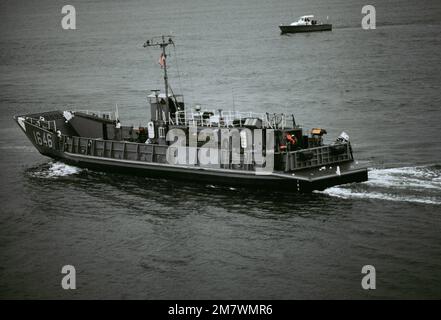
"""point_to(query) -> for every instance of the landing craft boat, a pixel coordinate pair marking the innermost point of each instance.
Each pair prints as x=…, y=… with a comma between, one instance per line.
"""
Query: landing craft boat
x=272, y=151
x=305, y=24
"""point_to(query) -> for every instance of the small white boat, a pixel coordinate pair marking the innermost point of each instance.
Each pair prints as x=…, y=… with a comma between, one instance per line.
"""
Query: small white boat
x=305, y=24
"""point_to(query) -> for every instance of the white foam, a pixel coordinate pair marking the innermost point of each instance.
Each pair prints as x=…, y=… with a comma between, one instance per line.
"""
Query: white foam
x=57, y=169
x=346, y=193
x=405, y=178
x=395, y=184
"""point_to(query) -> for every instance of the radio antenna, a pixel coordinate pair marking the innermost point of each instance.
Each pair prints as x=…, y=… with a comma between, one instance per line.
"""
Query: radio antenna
x=162, y=43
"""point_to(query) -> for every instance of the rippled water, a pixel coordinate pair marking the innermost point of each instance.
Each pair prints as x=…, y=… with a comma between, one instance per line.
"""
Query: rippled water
x=131, y=237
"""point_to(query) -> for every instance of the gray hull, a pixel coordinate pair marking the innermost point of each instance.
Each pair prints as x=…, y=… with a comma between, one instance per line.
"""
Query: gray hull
x=299, y=29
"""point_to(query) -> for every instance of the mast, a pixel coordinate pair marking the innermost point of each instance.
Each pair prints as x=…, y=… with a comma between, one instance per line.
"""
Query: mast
x=162, y=43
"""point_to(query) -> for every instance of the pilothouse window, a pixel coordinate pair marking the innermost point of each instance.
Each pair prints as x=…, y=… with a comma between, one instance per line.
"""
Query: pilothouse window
x=161, y=132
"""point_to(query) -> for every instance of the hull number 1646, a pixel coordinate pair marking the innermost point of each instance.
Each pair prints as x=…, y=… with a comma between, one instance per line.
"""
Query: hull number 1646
x=43, y=139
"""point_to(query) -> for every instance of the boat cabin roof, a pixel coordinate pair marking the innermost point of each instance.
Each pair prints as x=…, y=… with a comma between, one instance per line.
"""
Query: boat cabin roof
x=307, y=16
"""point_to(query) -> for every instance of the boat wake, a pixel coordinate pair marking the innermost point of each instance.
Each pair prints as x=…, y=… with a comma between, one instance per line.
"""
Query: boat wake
x=54, y=170
x=406, y=184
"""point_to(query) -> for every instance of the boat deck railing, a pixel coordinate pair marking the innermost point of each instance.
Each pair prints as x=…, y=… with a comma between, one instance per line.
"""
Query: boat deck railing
x=49, y=125
x=230, y=118
x=99, y=114
x=154, y=153
x=317, y=157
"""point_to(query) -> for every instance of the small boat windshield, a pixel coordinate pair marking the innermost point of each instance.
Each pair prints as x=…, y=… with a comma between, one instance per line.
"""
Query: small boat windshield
x=305, y=21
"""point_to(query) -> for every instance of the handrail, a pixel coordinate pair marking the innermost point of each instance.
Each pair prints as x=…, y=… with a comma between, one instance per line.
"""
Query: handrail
x=318, y=156
x=42, y=123
x=226, y=118
x=114, y=149
x=100, y=114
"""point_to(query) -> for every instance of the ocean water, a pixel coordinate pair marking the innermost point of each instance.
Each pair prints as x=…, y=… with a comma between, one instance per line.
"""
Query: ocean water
x=131, y=237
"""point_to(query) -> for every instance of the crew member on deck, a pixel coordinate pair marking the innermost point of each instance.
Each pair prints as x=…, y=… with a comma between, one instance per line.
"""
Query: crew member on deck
x=118, y=130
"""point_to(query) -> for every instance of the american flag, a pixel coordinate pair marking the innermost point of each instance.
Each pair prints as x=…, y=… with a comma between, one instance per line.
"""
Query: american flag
x=162, y=60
